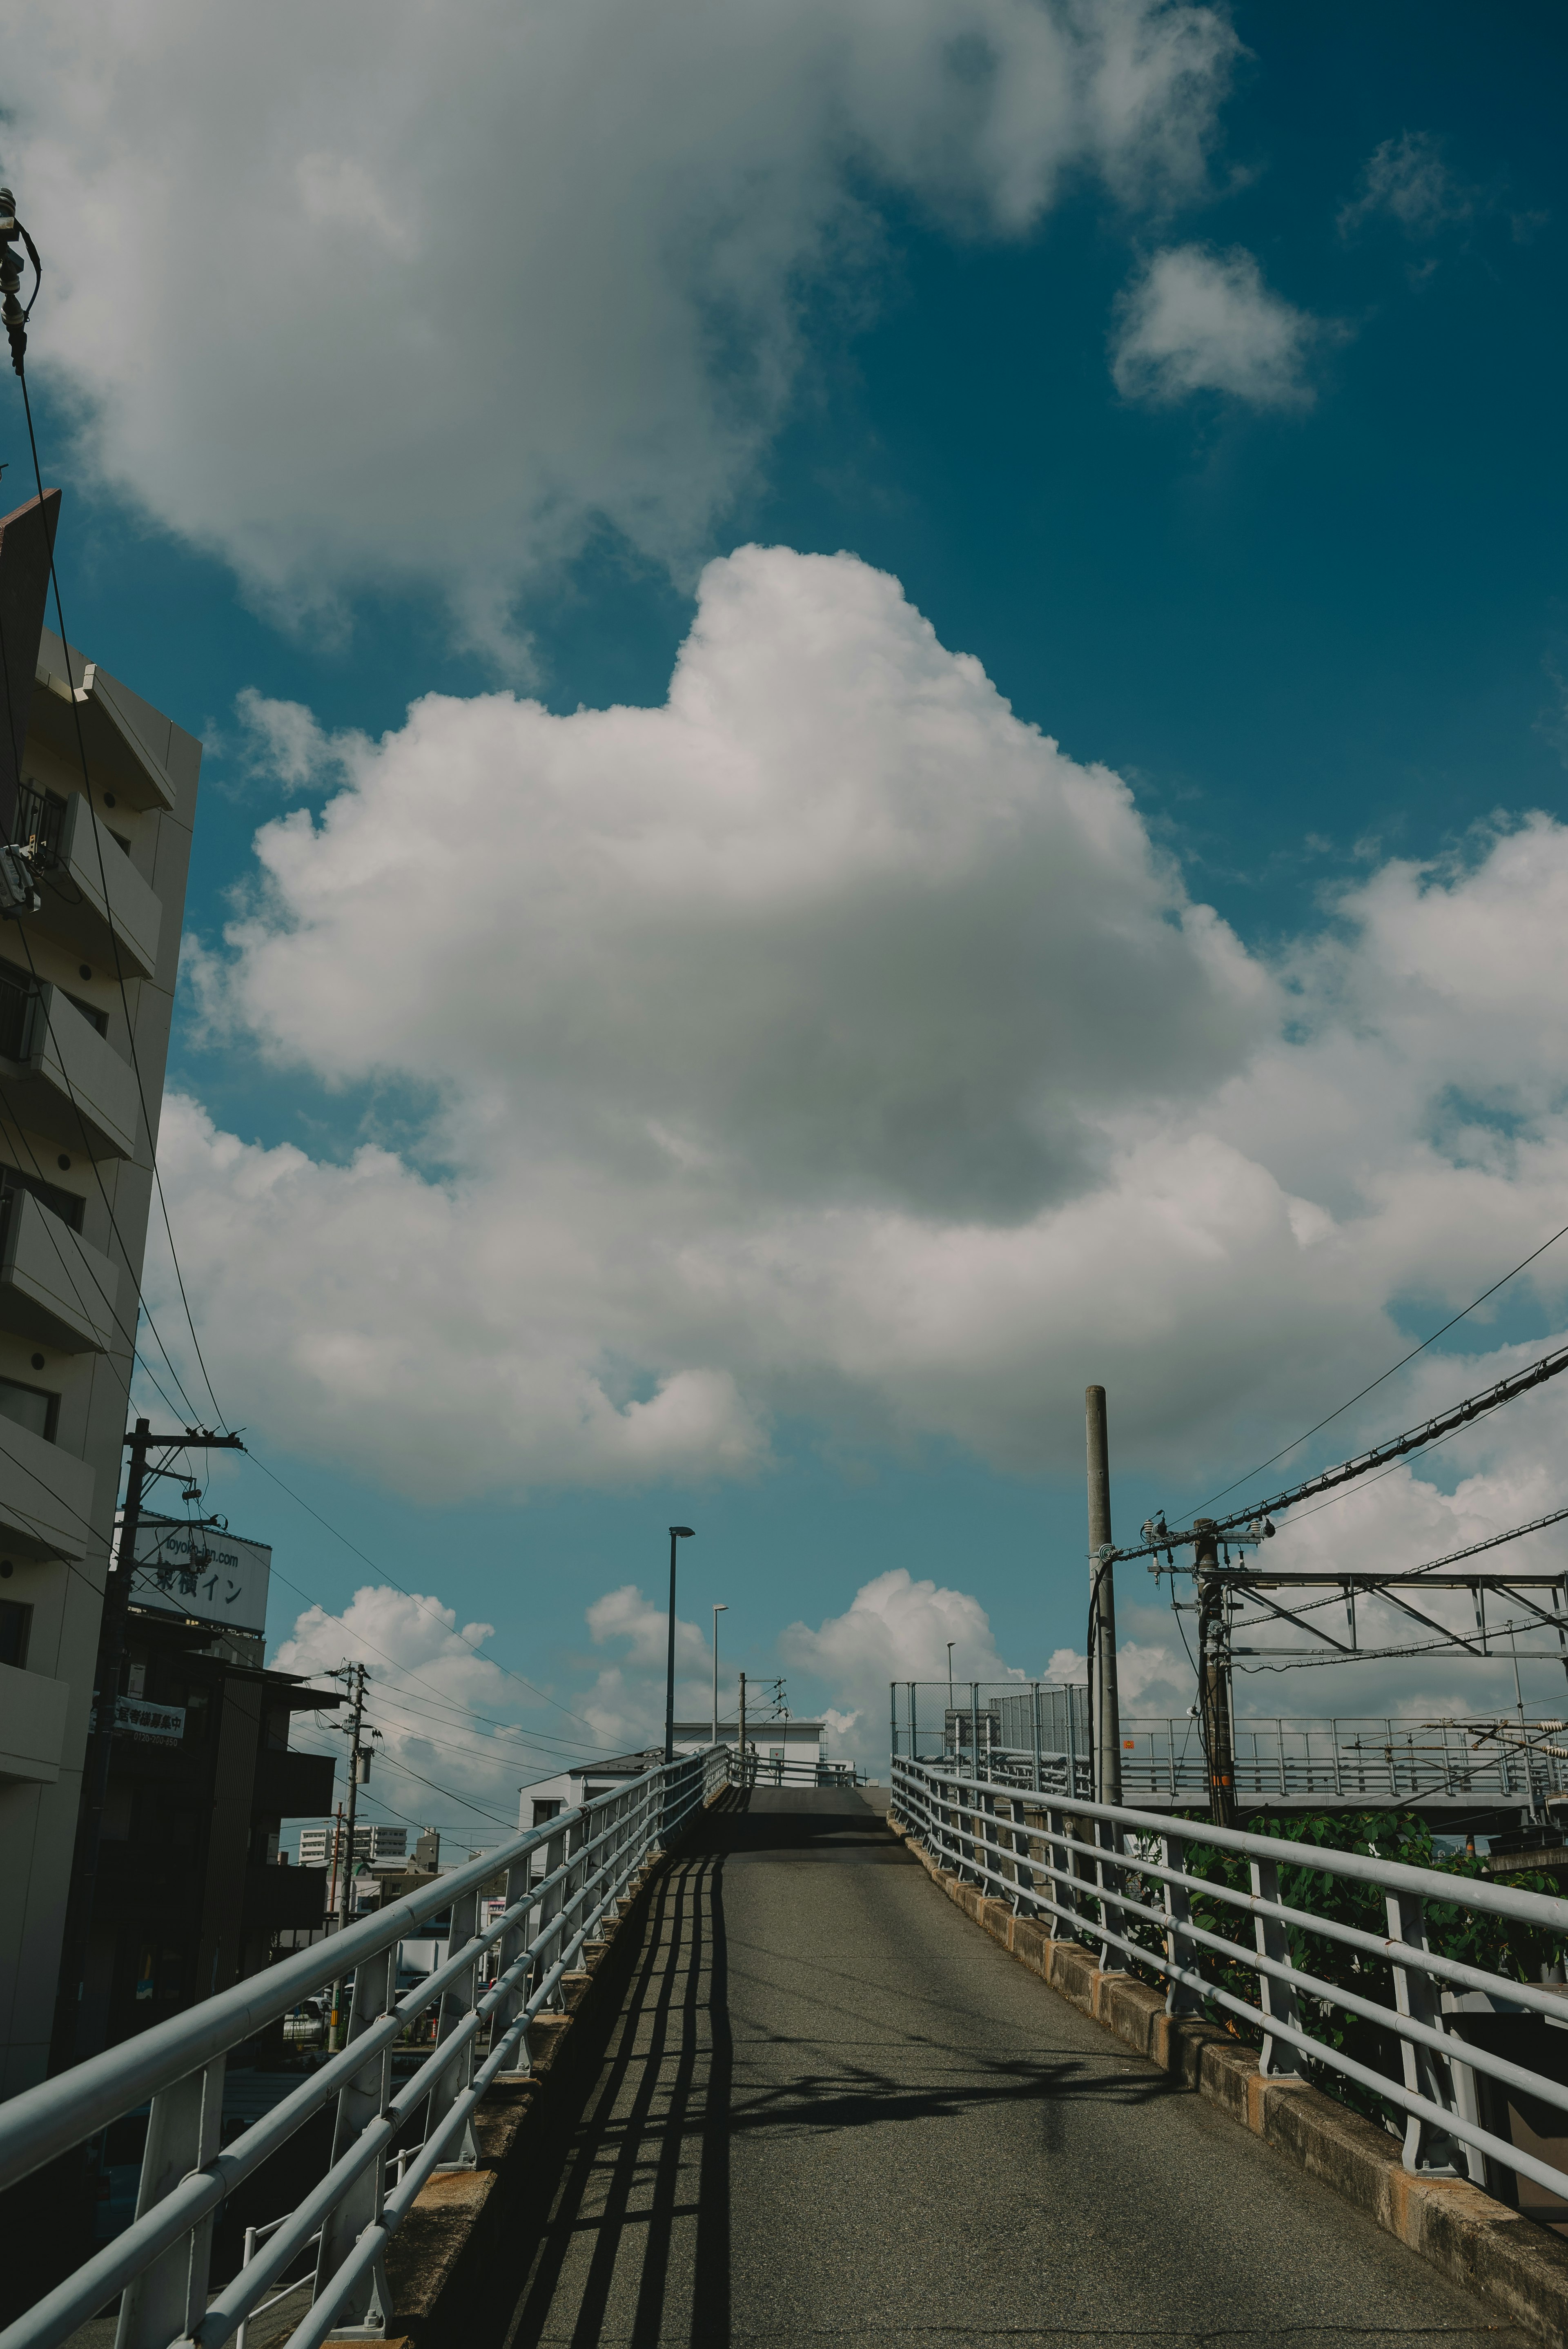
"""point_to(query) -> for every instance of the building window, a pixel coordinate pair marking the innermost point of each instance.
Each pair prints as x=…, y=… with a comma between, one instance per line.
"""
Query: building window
x=30, y=1407
x=545, y=1811
x=15, y=1627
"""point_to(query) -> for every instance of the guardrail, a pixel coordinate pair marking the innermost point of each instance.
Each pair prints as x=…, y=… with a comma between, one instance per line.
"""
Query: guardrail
x=1124, y=1885
x=1366, y=1760
x=161, y=2264
x=783, y=1770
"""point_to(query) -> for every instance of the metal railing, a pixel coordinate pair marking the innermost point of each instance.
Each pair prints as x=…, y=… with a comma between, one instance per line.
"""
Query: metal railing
x=1364, y=1761
x=1117, y=1877
x=793, y=1770
x=1031, y=1734
x=161, y=2264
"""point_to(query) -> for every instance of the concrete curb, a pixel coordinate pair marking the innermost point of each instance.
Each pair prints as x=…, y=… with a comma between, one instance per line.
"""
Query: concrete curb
x=1521, y=2270
x=440, y=2263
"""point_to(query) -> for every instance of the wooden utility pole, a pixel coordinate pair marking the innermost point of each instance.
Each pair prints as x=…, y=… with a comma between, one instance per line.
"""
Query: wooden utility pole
x=1214, y=1670
x=1102, y=1606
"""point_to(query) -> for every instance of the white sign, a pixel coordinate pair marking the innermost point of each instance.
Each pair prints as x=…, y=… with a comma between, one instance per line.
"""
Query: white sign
x=186, y=1569
x=166, y=1722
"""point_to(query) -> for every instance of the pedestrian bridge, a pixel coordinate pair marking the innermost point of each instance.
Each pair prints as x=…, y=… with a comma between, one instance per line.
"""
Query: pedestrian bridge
x=813, y=2102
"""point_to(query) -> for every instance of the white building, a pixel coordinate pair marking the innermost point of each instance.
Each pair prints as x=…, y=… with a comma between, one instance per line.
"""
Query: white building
x=97, y=791
x=787, y=1752
x=316, y=1844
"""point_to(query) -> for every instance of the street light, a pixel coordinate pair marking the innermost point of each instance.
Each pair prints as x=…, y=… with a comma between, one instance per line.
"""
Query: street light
x=677, y=1532
x=721, y=1607
x=951, y=1645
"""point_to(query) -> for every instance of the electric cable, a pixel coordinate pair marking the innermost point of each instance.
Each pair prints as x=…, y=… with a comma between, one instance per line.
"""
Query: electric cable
x=422, y=1604
x=15, y=1137
x=108, y=911
x=1523, y=1265
x=90, y=1155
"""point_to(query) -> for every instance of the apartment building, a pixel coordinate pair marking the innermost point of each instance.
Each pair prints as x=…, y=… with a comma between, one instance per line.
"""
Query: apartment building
x=371, y=1844
x=98, y=791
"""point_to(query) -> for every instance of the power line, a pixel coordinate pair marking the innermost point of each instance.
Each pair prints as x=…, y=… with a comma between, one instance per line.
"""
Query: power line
x=435, y=1612
x=109, y=909
x=1386, y=1457
x=1389, y=1373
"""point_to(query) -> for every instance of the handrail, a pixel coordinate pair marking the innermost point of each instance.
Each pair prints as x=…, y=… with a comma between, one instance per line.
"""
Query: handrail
x=1032, y=1850
x=592, y=1853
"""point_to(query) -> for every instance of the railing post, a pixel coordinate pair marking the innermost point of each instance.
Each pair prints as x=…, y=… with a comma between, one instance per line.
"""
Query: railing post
x=1108, y=1880
x=167, y=2299
x=1279, y=2060
x=549, y=1910
x=1426, y=2145
x=1063, y=1849
x=511, y=1949
x=364, y=2099
x=456, y=2004
x=1180, y=1998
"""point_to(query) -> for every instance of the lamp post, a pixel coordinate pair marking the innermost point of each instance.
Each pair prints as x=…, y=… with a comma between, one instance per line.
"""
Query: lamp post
x=677, y=1534
x=721, y=1607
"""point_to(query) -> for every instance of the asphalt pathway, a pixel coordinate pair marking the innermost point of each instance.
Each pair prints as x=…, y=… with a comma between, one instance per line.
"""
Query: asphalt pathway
x=830, y=2110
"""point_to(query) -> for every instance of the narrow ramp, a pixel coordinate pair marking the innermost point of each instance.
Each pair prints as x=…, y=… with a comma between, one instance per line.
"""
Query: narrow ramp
x=832, y=2111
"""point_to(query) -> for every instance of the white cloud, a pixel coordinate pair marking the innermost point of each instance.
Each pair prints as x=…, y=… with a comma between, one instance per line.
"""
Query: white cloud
x=1196, y=319
x=825, y=1044
x=441, y=1756
x=386, y=293
x=1408, y=179
x=894, y=1628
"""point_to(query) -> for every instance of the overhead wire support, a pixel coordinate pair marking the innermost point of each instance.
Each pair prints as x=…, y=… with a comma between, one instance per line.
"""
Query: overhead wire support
x=1163, y=1540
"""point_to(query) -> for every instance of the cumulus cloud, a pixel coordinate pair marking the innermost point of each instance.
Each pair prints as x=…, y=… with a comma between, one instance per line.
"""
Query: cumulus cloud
x=825, y=1044
x=1406, y=180
x=1196, y=319
x=894, y=1628
x=442, y=1757
x=473, y=284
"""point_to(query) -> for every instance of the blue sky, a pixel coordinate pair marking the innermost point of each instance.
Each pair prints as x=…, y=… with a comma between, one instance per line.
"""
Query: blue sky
x=1316, y=618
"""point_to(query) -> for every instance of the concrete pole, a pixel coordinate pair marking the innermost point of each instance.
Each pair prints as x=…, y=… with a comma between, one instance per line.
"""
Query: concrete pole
x=1214, y=1670
x=1102, y=1663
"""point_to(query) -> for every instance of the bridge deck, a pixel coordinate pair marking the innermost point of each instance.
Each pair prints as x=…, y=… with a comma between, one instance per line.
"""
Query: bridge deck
x=830, y=2110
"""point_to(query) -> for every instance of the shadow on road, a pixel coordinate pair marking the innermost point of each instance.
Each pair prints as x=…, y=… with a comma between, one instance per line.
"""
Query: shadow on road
x=636, y=2245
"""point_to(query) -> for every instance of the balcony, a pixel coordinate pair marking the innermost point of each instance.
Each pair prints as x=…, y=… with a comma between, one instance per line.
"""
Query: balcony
x=74, y=862
x=32, y=1723
x=120, y=743
x=53, y=1287
x=46, y=1496
x=59, y=1076
x=292, y=1785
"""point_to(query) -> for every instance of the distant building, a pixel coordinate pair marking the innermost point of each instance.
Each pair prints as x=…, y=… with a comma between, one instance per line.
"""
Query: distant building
x=317, y=1844
x=771, y=1744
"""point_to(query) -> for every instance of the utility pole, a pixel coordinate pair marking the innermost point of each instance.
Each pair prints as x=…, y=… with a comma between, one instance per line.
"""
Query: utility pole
x=67, y=2048
x=744, y=1779
x=1214, y=1668
x=677, y=1534
x=358, y=1768
x=721, y=1607
x=1102, y=1606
